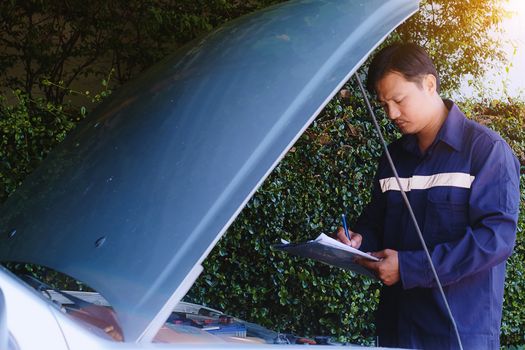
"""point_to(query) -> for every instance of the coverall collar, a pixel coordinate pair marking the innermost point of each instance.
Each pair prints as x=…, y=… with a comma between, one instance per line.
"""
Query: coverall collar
x=451, y=132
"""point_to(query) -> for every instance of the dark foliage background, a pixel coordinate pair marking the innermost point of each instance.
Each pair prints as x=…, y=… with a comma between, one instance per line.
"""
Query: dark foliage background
x=58, y=59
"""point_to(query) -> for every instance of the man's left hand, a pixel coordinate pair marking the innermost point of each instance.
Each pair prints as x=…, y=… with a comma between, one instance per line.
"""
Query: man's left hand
x=387, y=269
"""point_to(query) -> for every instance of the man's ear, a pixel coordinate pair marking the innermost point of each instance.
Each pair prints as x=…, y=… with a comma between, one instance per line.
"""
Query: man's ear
x=430, y=83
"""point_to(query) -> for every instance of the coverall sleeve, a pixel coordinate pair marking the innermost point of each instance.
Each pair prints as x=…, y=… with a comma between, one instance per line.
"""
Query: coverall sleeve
x=491, y=232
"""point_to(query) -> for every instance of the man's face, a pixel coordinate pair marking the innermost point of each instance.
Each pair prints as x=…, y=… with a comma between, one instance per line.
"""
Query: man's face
x=406, y=103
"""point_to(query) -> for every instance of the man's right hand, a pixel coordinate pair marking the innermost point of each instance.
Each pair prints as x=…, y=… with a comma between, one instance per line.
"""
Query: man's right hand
x=354, y=241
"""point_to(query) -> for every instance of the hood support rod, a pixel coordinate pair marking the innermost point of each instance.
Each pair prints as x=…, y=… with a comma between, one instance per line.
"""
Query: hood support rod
x=409, y=207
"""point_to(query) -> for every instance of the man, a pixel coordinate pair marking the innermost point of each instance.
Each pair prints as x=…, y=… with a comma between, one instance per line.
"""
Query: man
x=462, y=181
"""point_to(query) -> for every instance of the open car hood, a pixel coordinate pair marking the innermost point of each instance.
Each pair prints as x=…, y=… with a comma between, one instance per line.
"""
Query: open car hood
x=137, y=196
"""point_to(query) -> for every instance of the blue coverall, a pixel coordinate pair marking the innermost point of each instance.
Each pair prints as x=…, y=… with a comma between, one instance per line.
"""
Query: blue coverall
x=464, y=191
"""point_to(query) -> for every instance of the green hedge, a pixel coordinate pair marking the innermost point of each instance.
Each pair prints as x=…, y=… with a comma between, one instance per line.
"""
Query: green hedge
x=328, y=171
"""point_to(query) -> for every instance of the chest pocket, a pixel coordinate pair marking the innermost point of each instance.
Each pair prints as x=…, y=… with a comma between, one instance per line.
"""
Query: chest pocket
x=446, y=216
x=393, y=220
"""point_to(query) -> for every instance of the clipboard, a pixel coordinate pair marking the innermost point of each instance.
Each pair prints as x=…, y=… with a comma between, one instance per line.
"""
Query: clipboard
x=329, y=251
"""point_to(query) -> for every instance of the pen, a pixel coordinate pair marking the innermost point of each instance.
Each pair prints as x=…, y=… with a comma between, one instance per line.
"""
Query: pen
x=345, y=227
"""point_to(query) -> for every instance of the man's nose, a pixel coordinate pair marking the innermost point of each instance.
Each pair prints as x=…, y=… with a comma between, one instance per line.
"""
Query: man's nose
x=393, y=112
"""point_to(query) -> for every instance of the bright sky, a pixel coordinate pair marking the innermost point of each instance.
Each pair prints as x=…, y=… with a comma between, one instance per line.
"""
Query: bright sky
x=514, y=32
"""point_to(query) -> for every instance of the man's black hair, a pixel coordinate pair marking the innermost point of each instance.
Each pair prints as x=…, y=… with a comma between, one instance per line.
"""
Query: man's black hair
x=408, y=59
